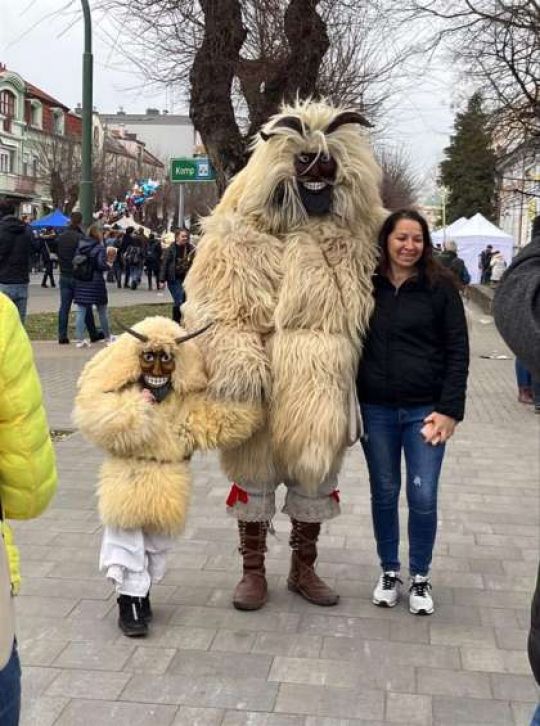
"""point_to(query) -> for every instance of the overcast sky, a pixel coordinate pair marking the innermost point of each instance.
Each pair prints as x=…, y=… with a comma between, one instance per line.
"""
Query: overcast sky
x=42, y=40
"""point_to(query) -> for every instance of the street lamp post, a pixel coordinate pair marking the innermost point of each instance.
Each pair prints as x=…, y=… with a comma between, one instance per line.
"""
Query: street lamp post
x=86, y=193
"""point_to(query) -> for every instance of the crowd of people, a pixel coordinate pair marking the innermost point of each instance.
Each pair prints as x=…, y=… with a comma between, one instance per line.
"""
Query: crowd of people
x=105, y=254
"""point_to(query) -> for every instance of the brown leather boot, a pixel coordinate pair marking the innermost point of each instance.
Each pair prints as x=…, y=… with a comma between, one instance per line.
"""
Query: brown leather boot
x=302, y=577
x=251, y=591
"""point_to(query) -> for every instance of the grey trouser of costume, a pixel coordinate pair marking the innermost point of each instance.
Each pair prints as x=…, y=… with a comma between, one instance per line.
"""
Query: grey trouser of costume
x=249, y=502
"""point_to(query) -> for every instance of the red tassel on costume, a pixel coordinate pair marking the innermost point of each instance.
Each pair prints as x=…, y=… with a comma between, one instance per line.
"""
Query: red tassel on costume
x=335, y=495
x=237, y=495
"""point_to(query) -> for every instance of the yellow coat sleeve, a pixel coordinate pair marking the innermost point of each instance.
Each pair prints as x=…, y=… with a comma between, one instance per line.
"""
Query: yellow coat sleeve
x=27, y=460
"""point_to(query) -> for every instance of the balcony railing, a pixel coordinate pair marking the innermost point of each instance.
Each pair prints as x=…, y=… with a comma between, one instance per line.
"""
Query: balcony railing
x=17, y=184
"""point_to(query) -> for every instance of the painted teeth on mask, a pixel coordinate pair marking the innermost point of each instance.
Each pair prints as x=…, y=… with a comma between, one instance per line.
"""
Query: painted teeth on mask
x=154, y=381
x=314, y=186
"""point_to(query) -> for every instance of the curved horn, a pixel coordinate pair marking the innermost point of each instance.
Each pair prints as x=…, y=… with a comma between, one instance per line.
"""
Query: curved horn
x=183, y=338
x=347, y=117
x=287, y=122
x=132, y=332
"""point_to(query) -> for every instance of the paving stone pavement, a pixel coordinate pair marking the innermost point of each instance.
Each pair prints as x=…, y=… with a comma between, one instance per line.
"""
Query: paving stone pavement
x=293, y=664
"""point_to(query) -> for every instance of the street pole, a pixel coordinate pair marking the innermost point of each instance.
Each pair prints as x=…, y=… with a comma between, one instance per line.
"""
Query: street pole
x=443, y=215
x=86, y=192
x=181, y=206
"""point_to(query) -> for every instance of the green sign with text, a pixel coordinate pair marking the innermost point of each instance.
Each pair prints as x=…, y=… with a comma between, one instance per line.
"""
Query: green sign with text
x=192, y=169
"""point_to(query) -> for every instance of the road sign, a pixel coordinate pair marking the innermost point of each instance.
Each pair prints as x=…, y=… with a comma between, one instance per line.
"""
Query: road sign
x=192, y=169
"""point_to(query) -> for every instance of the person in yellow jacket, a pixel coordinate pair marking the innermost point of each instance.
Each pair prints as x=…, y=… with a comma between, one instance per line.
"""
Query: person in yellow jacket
x=27, y=482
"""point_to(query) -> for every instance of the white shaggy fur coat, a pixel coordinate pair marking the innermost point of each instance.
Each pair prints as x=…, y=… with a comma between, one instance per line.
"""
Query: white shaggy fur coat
x=145, y=481
x=290, y=296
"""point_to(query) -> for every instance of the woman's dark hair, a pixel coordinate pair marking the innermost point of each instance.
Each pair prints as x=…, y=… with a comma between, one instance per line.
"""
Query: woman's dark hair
x=427, y=264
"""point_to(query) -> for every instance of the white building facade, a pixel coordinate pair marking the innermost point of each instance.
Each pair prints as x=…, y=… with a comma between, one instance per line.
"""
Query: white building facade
x=519, y=192
x=165, y=135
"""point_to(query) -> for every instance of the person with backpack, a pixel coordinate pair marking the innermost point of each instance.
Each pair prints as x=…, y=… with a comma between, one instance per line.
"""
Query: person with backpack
x=133, y=259
x=66, y=248
x=27, y=483
x=449, y=259
x=90, y=262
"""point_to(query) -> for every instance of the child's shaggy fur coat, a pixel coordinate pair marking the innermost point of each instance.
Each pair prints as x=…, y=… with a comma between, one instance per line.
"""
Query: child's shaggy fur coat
x=145, y=481
x=291, y=297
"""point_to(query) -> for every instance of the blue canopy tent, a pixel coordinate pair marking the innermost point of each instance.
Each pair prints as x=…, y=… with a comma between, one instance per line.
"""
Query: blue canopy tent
x=54, y=219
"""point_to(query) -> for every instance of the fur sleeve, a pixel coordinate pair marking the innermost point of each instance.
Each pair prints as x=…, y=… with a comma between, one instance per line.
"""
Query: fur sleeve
x=119, y=422
x=233, y=283
x=222, y=425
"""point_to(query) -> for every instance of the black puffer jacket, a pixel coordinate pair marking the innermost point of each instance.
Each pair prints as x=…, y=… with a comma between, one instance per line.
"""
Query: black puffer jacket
x=417, y=348
x=16, y=247
x=67, y=244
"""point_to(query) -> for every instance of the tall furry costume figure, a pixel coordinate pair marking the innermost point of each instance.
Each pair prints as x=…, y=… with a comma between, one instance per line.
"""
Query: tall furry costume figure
x=143, y=401
x=284, y=270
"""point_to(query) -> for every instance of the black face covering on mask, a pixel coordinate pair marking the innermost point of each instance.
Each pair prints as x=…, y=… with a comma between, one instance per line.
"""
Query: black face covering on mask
x=316, y=204
x=159, y=393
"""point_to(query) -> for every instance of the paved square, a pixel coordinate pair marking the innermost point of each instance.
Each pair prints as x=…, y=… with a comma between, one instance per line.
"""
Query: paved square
x=293, y=664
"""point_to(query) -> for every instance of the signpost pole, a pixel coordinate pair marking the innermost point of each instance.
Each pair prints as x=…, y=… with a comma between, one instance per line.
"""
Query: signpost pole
x=181, y=205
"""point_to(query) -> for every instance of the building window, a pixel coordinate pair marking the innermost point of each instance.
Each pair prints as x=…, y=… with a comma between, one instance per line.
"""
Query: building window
x=35, y=167
x=58, y=122
x=5, y=160
x=36, y=114
x=25, y=166
x=7, y=109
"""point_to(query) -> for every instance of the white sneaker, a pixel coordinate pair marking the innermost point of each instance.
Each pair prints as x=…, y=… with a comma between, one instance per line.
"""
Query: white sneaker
x=110, y=340
x=420, y=600
x=82, y=343
x=386, y=592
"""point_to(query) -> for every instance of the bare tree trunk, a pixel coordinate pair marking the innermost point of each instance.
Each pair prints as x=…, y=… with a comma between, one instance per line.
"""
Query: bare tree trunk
x=266, y=85
x=211, y=77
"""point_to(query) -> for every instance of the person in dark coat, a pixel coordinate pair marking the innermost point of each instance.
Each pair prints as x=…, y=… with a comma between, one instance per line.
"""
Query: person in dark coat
x=127, y=241
x=17, y=246
x=66, y=246
x=516, y=310
x=94, y=291
x=449, y=258
x=133, y=260
x=411, y=387
x=175, y=265
x=45, y=252
x=153, y=260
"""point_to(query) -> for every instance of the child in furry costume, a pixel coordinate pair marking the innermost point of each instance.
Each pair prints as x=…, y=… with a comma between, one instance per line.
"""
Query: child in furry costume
x=284, y=270
x=143, y=401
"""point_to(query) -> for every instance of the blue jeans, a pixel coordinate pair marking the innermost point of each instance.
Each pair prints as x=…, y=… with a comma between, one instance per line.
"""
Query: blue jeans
x=536, y=717
x=387, y=431
x=10, y=690
x=18, y=293
x=67, y=291
x=523, y=376
x=177, y=291
x=135, y=274
x=80, y=320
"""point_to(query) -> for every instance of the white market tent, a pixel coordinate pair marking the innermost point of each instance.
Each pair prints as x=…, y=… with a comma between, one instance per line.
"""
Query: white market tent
x=443, y=233
x=125, y=222
x=473, y=236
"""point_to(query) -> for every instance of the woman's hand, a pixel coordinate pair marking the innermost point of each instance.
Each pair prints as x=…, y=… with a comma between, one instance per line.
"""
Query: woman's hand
x=438, y=428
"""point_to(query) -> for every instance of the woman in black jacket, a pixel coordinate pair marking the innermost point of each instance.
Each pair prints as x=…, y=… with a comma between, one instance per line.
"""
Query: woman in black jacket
x=92, y=291
x=411, y=386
